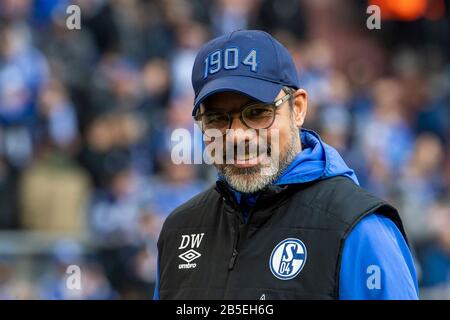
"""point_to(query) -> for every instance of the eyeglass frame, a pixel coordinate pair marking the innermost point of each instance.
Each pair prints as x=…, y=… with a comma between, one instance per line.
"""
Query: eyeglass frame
x=275, y=105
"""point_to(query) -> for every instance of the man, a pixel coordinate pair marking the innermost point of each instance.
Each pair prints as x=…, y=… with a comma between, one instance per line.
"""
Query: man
x=303, y=229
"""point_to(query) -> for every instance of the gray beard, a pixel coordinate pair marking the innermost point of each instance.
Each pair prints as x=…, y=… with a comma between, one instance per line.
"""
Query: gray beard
x=251, y=180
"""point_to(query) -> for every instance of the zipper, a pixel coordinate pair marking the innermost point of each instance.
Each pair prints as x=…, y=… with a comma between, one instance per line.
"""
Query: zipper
x=235, y=253
x=233, y=259
x=239, y=236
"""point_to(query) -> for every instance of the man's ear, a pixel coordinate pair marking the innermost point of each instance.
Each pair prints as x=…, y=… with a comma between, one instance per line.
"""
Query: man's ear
x=300, y=106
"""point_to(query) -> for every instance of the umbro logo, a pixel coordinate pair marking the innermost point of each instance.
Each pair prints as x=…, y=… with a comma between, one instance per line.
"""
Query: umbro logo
x=192, y=241
x=190, y=255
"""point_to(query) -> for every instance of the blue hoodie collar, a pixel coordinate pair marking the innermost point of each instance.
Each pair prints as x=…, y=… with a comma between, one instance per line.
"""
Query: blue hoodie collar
x=316, y=161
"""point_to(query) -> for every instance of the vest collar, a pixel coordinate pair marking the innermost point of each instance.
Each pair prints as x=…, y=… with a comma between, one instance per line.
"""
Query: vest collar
x=267, y=198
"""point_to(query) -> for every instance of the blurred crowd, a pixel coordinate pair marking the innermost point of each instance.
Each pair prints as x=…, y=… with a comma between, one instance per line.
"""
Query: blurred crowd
x=86, y=118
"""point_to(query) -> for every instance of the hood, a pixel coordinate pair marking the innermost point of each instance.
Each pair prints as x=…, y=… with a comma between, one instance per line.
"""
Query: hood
x=317, y=161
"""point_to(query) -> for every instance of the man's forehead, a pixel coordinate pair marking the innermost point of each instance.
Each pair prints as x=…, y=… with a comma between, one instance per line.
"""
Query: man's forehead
x=226, y=100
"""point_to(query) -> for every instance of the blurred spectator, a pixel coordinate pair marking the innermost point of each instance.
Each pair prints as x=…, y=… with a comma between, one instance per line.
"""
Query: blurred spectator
x=70, y=54
x=421, y=184
x=8, y=194
x=175, y=185
x=58, y=206
x=385, y=137
x=230, y=15
x=435, y=255
x=189, y=38
x=115, y=209
x=98, y=17
x=15, y=9
x=58, y=115
x=23, y=74
x=109, y=136
x=177, y=116
x=156, y=91
x=275, y=15
x=6, y=270
x=115, y=84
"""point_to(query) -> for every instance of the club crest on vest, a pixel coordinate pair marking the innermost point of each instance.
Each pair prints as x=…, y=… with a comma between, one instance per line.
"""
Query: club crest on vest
x=287, y=259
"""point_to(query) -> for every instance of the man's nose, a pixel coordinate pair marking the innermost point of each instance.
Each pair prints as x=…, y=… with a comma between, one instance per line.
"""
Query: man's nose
x=239, y=132
x=236, y=123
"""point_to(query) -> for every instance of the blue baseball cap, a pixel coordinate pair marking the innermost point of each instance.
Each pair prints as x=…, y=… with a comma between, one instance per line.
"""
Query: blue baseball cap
x=250, y=62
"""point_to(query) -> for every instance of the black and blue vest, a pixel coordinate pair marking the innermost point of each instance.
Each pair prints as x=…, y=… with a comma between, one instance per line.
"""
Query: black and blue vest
x=290, y=248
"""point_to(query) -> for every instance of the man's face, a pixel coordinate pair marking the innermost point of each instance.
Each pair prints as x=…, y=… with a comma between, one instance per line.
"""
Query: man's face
x=258, y=166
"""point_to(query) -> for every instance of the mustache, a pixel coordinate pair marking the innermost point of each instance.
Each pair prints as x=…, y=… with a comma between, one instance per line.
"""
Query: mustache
x=238, y=149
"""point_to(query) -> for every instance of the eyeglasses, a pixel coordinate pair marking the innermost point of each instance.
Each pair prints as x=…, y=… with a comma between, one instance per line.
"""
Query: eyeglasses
x=255, y=115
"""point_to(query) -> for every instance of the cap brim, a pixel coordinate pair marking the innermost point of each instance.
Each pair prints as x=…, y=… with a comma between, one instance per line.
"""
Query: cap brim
x=261, y=90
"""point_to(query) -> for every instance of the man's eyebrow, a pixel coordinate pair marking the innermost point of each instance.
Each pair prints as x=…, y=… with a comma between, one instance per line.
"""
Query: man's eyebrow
x=208, y=106
x=208, y=109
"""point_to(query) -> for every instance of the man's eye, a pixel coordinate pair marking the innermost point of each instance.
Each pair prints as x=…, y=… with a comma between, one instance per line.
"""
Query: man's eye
x=215, y=118
x=259, y=112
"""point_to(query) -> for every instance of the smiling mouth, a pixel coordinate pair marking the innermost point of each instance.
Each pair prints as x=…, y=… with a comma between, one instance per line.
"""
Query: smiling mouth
x=248, y=159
